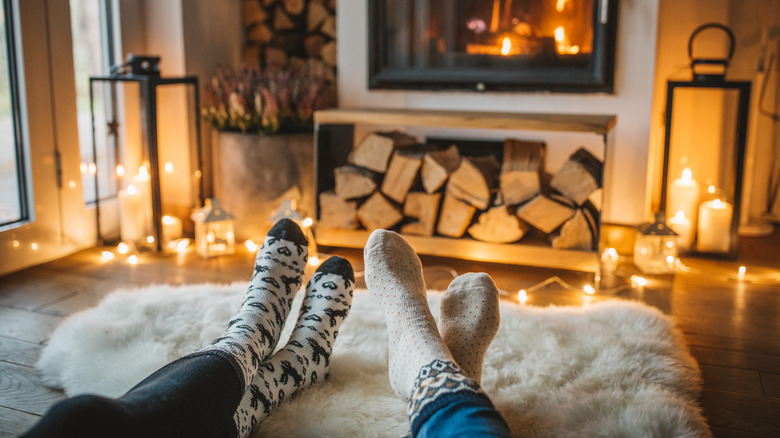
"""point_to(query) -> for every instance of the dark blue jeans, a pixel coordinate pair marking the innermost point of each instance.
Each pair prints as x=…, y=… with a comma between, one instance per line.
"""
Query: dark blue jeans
x=464, y=413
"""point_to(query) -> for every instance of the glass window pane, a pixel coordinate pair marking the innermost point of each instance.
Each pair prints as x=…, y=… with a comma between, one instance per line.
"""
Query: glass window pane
x=11, y=185
x=90, y=48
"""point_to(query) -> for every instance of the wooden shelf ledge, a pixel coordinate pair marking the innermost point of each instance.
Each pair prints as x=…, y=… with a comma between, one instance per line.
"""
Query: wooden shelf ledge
x=599, y=124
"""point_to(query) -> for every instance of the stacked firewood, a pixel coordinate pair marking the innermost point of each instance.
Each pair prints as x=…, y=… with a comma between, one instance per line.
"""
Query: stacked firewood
x=393, y=182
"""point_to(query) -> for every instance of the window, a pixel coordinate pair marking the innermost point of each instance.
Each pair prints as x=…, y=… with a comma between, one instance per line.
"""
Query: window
x=92, y=55
x=13, y=199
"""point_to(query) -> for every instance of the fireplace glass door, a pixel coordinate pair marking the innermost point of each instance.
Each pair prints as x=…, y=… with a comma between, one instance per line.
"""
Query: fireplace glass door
x=554, y=45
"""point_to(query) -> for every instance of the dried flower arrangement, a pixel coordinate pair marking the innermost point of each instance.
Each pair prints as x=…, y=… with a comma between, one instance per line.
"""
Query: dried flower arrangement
x=268, y=100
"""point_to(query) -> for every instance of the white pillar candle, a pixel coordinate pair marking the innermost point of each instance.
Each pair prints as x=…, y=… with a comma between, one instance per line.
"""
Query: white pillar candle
x=684, y=196
x=684, y=229
x=171, y=228
x=131, y=214
x=714, y=226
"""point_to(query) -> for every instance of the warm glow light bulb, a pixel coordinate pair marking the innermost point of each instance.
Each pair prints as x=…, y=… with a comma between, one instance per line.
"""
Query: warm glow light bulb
x=250, y=245
x=522, y=296
x=638, y=281
x=122, y=248
x=133, y=259
x=589, y=289
x=182, y=245
x=108, y=255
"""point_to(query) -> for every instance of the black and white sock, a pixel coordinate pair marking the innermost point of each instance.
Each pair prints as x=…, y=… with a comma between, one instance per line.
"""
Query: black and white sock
x=253, y=333
x=305, y=359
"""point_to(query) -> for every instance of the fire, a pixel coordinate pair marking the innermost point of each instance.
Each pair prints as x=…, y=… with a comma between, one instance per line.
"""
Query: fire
x=563, y=46
x=506, y=46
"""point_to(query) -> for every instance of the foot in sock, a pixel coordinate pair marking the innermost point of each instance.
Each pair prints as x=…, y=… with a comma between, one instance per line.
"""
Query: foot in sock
x=253, y=333
x=469, y=320
x=394, y=278
x=305, y=359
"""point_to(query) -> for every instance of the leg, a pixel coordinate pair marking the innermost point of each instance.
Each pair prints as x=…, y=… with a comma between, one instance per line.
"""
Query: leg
x=306, y=357
x=443, y=401
x=197, y=395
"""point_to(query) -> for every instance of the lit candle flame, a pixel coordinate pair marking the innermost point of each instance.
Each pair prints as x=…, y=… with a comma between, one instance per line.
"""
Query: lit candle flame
x=182, y=245
x=589, y=289
x=506, y=46
x=716, y=203
x=131, y=189
x=120, y=170
x=559, y=34
x=560, y=5
x=143, y=173
x=167, y=220
x=680, y=215
x=638, y=281
x=741, y=272
x=687, y=175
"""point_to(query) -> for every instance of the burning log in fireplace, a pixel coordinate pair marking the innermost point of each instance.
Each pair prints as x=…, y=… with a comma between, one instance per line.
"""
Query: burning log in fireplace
x=392, y=181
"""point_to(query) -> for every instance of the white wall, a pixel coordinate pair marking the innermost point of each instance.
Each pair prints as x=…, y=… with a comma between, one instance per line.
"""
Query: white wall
x=626, y=163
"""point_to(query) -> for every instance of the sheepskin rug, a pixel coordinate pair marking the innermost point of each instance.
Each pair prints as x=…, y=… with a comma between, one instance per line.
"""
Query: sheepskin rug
x=611, y=369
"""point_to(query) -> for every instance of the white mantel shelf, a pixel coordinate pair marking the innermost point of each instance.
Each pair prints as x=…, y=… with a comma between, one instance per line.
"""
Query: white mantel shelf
x=599, y=124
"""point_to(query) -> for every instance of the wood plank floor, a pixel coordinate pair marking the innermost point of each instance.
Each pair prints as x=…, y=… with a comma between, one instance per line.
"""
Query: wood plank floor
x=732, y=327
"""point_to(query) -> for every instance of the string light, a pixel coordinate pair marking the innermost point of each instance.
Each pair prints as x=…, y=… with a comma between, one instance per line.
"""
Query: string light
x=636, y=280
x=150, y=239
x=588, y=289
x=108, y=255
x=133, y=259
x=314, y=261
x=168, y=167
x=250, y=245
x=122, y=248
x=182, y=245
x=741, y=272
x=308, y=222
x=522, y=296
x=120, y=170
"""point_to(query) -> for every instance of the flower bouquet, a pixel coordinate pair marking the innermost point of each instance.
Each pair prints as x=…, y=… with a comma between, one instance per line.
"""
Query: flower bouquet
x=268, y=100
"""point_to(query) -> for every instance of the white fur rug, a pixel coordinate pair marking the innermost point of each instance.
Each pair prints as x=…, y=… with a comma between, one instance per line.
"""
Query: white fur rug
x=613, y=369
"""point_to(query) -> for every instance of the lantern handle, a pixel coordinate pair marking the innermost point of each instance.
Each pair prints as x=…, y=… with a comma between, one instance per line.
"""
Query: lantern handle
x=710, y=61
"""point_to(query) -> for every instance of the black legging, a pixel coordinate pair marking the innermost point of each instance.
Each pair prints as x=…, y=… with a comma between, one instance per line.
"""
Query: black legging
x=195, y=396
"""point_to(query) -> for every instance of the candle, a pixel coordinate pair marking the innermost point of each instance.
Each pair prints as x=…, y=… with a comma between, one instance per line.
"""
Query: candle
x=171, y=228
x=131, y=214
x=714, y=226
x=684, y=195
x=684, y=229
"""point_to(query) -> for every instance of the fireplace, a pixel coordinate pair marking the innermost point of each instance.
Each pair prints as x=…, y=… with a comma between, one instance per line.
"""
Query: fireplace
x=498, y=45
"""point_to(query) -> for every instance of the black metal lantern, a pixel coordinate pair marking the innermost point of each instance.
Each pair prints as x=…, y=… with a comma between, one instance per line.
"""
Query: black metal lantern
x=144, y=71
x=701, y=196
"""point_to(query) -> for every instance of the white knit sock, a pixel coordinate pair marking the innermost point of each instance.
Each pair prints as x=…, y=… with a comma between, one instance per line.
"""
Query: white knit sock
x=254, y=331
x=469, y=320
x=393, y=275
x=305, y=359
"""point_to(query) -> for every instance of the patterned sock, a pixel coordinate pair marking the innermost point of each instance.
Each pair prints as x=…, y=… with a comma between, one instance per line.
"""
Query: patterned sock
x=306, y=357
x=469, y=320
x=254, y=332
x=393, y=276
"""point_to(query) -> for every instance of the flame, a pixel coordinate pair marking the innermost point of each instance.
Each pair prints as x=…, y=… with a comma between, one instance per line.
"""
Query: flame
x=687, y=175
x=506, y=46
x=560, y=5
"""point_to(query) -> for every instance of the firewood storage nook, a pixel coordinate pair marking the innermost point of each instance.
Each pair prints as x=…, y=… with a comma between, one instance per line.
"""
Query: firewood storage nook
x=518, y=188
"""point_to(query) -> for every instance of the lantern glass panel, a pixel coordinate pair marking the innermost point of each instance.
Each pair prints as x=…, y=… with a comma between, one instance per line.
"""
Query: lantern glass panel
x=655, y=254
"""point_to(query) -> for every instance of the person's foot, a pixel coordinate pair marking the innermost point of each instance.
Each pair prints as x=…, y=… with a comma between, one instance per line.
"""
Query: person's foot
x=393, y=275
x=469, y=320
x=254, y=331
x=305, y=359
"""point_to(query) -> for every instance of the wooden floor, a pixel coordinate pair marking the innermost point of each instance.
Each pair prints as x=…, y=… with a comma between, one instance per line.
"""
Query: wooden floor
x=732, y=327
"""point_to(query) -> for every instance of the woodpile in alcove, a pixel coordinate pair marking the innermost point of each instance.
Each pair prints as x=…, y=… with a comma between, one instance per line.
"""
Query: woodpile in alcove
x=302, y=28
x=392, y=181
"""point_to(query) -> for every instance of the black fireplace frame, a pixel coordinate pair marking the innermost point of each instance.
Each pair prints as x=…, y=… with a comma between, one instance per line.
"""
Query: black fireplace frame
x=597, y=77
